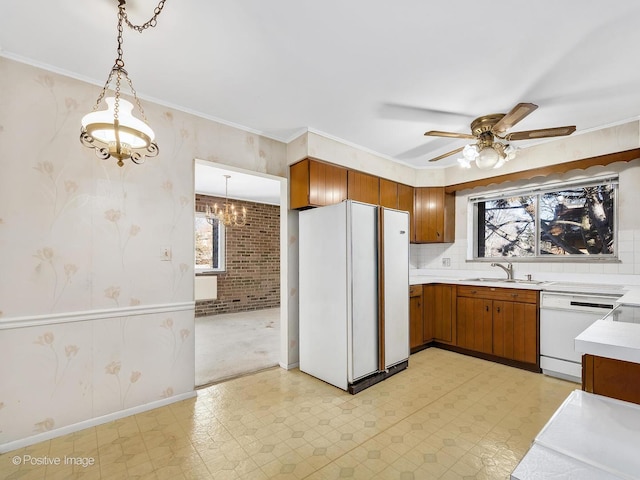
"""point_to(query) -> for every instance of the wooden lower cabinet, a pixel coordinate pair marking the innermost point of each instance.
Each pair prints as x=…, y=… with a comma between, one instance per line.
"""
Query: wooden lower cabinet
x=474, y=322
x=515, y=331
x=416, y=327
x=439, y=313
x=489, y=323
x=611, y=378
x=499, y=323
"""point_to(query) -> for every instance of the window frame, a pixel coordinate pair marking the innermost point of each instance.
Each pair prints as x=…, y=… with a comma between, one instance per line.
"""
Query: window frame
x=473, y=222
x=221, y=249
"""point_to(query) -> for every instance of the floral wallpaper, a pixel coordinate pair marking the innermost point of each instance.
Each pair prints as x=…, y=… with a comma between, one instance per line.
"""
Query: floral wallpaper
x=108, y=325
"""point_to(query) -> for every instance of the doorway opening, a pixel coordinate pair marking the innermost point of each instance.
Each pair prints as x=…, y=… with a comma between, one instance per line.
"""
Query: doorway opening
x=239, y=285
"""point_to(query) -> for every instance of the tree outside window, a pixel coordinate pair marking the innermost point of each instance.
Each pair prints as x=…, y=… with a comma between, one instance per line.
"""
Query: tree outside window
x=209, y=245
x=578, y=221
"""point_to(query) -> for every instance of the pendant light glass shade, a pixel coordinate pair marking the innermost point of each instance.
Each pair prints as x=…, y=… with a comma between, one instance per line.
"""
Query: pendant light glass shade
x=132, y=131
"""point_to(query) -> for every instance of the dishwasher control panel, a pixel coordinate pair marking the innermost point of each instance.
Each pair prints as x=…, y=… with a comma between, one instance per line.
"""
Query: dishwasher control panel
x=578, y=302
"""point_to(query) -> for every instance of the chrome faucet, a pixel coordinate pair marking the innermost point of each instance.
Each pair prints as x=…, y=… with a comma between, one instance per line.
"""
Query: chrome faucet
x=508, y=269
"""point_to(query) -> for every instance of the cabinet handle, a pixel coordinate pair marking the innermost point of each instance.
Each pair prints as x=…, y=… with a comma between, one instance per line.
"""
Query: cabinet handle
x=474, y=291
x=514, y=295
x=486, y=307
x=498, y=309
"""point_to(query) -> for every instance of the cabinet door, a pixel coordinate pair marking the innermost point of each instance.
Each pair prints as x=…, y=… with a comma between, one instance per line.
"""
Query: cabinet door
x=515, y=331
x=416, y=332
x=405, y=203
x=363, y=187
x=483, y=325
x=434, y=212
x=428, y=312
x=440, y=313
x=388, y=193
x=315, y=184
x=327, y=184
x=525, y=345
x=611, y=378
x=464, y=322
x=503, y=329
x=474, y=323
x=444, y=305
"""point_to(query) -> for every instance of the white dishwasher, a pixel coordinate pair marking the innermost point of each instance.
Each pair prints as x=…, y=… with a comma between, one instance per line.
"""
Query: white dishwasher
x=564, y=316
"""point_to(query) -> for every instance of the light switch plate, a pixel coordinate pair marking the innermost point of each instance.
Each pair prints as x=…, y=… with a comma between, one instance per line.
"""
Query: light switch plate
x=165, y=254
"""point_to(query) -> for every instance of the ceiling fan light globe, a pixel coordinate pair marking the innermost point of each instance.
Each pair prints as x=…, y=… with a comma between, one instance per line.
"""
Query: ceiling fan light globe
x=487, y=158
x=500, y=163
x=464, y=163
x=470, y=152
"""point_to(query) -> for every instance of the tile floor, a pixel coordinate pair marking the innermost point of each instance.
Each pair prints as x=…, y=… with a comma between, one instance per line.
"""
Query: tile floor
x=447, y=416
x=232, y=344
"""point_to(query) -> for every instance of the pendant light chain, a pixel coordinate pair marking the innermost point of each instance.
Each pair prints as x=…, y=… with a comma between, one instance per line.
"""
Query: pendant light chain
x=152, y=22
x=120, y=145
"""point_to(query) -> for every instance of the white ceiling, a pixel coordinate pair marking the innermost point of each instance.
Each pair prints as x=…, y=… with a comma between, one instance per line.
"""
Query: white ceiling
x=210, y=180
x=375, y=73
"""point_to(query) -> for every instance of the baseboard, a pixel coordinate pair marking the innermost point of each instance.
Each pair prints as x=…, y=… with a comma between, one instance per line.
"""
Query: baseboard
x=92, y=422
x=289, y=366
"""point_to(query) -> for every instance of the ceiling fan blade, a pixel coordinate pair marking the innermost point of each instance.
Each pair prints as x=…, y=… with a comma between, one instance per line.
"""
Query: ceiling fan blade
x=436, y=133
x=444, y=155
x=516, y=114
x=541, y=133
x=413, y=113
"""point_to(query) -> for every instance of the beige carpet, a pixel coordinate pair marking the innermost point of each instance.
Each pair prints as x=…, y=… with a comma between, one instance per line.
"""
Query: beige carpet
x=233, y=344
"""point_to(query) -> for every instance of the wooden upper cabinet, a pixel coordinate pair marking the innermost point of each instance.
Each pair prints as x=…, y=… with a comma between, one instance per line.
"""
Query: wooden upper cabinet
x=388, y=193
x=363, y=187
x=405, y=202
x=315, y=184
x=434, y=215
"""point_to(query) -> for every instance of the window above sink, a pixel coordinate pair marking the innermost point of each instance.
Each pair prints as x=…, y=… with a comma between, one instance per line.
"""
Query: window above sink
x=572, y=221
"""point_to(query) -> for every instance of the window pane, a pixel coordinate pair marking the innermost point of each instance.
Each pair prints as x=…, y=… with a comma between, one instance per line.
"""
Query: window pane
x=204, y=243
x=506, y=227
x=577, y=221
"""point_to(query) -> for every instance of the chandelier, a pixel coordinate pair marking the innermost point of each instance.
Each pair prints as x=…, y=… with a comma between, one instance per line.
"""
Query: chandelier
x=228, y=215
x=115, y=132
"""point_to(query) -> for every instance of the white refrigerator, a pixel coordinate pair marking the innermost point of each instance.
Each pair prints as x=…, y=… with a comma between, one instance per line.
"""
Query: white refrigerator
x=354, y=293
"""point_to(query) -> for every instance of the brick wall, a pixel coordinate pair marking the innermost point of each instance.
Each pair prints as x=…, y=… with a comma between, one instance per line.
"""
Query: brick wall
x=252, y=277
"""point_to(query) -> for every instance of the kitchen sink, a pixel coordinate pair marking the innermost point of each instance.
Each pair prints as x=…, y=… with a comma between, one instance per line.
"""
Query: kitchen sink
x=504, y=280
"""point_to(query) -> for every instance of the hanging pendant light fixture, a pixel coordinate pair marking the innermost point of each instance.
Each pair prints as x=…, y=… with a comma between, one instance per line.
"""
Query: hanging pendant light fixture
x=115, y=132
x=228, y=216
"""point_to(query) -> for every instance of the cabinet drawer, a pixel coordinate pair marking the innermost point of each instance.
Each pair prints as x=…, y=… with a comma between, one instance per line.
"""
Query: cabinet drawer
x=495, y=293
x=415, y=290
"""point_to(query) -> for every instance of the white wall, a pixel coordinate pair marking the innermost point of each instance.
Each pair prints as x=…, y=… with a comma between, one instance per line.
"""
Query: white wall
x=93, y=324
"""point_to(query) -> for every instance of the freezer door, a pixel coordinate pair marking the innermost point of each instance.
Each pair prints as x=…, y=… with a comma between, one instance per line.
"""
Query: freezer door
x=323, y=293
x=363, y=285
x=395, y=259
